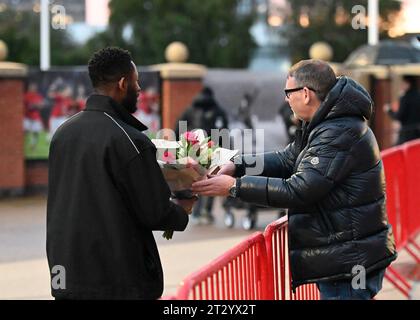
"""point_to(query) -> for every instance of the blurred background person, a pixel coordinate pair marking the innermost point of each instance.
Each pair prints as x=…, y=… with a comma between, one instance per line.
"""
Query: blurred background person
x=206, y=114
x=32, y=122
x=62, y=109
x=148, y=111
x=408, y=113
x=80, y=98
x=290, y=121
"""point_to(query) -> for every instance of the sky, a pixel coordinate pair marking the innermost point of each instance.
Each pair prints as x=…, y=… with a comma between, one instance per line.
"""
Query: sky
x=97, y=12
x=97, y=15
x=411, y=16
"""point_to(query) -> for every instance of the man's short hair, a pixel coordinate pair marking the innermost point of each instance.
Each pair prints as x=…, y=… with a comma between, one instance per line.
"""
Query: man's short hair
x=109, y=65
x=314, y=74
x=208, y=91
x=411, y=80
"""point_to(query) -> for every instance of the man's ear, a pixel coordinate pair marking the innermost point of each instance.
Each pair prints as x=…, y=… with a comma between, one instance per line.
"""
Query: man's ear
x=122, y=84
x=307, y=97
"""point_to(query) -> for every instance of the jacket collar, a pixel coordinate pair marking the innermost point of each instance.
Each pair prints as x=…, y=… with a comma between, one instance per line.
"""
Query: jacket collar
x=101, y=103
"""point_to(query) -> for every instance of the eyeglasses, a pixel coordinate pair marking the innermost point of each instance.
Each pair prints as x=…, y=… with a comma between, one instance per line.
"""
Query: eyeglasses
x=287, y=92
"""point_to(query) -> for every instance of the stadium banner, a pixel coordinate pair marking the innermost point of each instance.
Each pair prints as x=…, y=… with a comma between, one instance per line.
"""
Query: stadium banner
x=54, y=96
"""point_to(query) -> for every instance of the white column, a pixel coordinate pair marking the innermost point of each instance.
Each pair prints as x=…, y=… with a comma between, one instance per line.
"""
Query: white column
x=45, y=35
x=373, y=30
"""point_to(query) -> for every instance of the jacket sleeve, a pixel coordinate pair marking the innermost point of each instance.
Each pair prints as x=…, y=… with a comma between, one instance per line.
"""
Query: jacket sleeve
x=148, y=195
x=320, y=168
x=274, y=164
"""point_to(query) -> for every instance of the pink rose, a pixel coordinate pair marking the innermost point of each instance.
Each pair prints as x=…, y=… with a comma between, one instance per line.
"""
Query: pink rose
x=191, y=137
x=210, y=144
x=168, y=157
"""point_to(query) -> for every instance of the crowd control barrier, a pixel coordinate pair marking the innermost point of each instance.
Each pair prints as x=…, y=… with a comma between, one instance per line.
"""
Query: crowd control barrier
x=239, y=274
x=258, y=268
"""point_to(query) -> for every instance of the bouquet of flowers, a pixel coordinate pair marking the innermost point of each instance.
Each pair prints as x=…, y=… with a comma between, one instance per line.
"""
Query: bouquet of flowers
x=191, y=159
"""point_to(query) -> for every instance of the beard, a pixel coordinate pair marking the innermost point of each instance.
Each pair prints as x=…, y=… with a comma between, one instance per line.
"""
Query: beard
x=130, y=100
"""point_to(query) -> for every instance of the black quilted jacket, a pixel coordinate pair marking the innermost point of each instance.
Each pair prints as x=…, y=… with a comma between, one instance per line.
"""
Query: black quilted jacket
x=332, y=180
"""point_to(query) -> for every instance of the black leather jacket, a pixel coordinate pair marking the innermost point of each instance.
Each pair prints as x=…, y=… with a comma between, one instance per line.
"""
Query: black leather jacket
x=332, y=180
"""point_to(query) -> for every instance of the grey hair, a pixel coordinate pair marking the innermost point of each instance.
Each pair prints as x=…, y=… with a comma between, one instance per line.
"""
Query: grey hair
x=314, y=74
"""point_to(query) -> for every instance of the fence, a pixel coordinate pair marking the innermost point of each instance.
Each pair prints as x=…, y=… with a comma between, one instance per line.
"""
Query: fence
x=255, y=269
x=402, y=177
x=258, y=268
x=239, y=274
x=412, y=165
x=276, y=241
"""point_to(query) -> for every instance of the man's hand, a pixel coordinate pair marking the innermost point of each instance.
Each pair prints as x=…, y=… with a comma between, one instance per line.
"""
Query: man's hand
x=186, y=204
x=227, y=169
x=215, y=186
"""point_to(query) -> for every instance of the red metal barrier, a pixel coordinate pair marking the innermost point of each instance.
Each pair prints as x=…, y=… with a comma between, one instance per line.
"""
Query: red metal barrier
x=399, y=282
x=402, y=173
x=396, y=194
x=401, y=198
x=239, y=274
x=276, y=242
x=258, y=268
x=412, y=164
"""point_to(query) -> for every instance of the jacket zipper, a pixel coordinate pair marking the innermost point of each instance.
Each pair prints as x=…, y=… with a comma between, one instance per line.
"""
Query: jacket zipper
x=325, y=220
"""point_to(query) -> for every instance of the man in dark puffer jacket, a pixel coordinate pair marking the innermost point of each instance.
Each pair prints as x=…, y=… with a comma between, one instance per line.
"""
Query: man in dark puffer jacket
x=332, y=180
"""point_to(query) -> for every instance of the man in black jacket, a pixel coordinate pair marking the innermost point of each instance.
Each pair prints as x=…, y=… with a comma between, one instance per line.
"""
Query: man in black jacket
x=206, y=114
x=107, y=194
x=408, y=113
x=332, y=180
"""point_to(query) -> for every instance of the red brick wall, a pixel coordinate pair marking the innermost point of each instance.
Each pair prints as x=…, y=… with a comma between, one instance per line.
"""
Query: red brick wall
x=11, y=134
x=177, y=96
x=36, y=174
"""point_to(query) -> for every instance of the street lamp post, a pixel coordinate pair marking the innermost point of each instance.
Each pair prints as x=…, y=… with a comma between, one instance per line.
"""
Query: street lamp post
x=45, y=36
x=373, y=31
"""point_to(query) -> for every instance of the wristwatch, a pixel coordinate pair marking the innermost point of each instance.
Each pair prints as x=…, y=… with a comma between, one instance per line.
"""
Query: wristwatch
x=233, y=191
x=239, y=165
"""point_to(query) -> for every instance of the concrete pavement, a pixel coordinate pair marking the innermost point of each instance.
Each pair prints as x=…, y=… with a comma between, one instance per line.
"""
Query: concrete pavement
x=24, y=270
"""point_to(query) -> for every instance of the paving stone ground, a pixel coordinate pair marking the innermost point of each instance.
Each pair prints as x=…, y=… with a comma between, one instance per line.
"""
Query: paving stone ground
x=24, y=270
